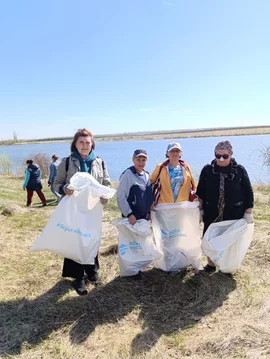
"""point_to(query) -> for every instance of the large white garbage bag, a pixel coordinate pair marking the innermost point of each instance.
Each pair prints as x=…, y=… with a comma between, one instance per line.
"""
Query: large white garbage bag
x=89, y=190
x=176, y=229
x=226, y=243
x=136, y=246
x=74, y=228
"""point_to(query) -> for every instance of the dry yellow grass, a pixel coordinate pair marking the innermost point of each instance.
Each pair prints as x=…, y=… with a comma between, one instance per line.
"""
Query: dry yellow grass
x=185, y=316
x=187, y=134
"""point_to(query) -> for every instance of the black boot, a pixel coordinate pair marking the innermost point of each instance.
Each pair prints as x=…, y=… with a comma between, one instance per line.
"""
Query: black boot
x=94, y=279
x=80, y=287
x=209, y=269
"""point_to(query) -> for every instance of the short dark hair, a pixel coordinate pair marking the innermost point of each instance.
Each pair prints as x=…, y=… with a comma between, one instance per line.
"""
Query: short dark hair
x=29, y=162
x=55, y=157
x=82, y=132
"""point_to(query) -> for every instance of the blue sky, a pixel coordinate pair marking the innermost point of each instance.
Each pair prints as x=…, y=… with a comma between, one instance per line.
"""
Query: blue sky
x=117, y=66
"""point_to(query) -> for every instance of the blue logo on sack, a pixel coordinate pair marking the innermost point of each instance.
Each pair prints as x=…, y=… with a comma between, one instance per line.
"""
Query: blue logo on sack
x=123, y=249
x=173, y=233
x=220, y=255
x=163, y=234
x=135, y=246
x=73, y=230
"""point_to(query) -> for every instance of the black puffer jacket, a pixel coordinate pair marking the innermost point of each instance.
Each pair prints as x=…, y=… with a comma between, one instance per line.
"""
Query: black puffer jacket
x=238, y=192
x=34, y=182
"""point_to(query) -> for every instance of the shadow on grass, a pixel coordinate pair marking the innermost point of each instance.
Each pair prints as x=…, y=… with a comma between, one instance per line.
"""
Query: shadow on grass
x=166, y=305
x=50, y=202
x=30, y=321
x=179, y=304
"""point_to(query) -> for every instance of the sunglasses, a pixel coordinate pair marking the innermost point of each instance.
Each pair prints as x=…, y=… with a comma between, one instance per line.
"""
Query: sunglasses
x=223, y=156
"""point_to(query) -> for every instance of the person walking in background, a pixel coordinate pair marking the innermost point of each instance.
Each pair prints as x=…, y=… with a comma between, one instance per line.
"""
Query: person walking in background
x=52, y=175
x=82, y=159
x=224, y=191
x=32, y=182
x=134, y=193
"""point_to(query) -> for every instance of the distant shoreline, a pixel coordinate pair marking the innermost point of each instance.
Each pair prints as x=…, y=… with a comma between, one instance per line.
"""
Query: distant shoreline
x=158, y=135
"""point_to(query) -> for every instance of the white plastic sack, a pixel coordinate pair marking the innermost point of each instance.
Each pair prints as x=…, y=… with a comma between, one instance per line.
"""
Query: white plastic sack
x=176, y=229
x=136, y=247
x=226, y=243
x=74, y=228
x=89, y=190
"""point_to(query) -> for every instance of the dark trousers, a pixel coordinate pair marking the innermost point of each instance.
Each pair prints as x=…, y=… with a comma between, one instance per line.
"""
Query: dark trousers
x=76, y=270
x=30, y=196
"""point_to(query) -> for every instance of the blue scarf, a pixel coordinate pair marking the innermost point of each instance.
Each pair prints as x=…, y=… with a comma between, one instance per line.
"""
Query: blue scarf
x=86, y=163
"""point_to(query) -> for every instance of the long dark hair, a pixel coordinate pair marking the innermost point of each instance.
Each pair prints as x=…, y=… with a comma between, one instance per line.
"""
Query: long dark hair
x=82, y=132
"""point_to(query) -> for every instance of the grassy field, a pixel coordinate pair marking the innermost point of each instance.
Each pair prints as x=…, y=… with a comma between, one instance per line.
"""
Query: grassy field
x=162, y=316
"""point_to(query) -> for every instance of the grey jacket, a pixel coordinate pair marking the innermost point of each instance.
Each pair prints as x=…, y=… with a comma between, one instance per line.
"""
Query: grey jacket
x=98, y=171
x=134, y=194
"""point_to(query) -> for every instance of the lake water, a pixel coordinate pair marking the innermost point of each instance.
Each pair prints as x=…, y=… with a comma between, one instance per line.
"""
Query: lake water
x=196, y=152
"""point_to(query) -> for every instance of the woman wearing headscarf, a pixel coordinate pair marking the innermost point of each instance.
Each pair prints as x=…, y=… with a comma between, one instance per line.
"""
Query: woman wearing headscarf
x=83, y=158
x=224, y=191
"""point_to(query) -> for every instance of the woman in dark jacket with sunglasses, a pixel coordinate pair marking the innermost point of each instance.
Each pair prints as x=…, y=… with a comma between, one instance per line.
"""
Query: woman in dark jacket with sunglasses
x=224, y=191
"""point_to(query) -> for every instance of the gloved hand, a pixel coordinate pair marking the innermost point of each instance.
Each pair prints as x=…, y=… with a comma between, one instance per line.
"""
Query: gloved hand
x=248, y=217
x=201, y=215
x=23, y=188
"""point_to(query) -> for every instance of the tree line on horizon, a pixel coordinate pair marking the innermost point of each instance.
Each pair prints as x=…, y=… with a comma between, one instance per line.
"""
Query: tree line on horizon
x=122, y=135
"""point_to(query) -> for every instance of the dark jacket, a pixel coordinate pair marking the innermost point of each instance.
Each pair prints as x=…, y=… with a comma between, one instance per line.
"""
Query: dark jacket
x=34, y=182
x=134, y=194
x=238, y=192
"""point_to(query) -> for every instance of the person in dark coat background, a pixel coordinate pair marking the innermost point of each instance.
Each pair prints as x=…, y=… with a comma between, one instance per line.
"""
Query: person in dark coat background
x=32, y=182
x=224, y=191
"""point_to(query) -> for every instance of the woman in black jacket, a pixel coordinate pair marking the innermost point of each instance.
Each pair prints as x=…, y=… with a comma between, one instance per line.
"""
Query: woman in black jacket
x=224, y=191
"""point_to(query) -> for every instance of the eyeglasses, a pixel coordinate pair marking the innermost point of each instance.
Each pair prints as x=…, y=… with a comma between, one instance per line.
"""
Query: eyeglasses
x=218, y=156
